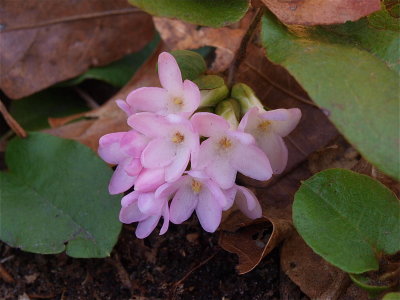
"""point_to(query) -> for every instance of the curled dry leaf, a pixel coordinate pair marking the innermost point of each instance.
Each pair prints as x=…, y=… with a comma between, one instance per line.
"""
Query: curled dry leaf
x=107, y=118
x=45, y=42
x=252, y=243
x=314, y=12
x=180, y=35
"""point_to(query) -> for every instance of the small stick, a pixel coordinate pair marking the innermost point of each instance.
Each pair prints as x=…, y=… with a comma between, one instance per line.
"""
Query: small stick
x=5, y=275
x=88, y=99
x=12, y=122
x=241, y=53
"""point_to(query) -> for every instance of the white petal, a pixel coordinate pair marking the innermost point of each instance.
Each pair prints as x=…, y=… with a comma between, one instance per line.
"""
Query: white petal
x=222, y=173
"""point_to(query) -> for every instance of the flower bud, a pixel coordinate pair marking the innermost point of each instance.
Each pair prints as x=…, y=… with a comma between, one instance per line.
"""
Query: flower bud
x=212, y=89
x=229, y=109
x=246, y=97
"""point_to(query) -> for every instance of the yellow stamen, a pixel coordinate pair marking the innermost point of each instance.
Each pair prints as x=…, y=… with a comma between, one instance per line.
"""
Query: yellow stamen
x=178, y=138
x=196, y=186
x=177, y=101
x=225, y=143
x=264, y=125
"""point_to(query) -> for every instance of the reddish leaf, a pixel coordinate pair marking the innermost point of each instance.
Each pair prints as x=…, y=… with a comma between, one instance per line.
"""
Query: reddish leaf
x=107, y=118
x=49, y=41
x=314, y=12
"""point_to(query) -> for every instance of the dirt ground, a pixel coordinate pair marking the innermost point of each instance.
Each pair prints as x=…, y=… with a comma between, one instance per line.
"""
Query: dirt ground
x=185, y=263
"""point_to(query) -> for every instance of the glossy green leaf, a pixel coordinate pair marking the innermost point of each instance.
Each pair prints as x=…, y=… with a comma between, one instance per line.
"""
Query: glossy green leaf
x=348, y=219
x=351, y=72
x=54, y=197
x=117, y=73
x=392, y=296
x=202, y=12
x=191, y=63
x=364, y=282
x=33, y=111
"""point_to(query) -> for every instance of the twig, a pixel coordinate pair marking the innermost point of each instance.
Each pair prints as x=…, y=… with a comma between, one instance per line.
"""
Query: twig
x=88, y=99
x=5, y=275
x=12, y=122
x=241, y=53
x=122, y=273
x=279, y=87
x=94, y=15
x=176, y=284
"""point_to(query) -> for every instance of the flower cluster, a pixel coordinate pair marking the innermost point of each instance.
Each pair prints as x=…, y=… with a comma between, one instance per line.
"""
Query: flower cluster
x=155, y=155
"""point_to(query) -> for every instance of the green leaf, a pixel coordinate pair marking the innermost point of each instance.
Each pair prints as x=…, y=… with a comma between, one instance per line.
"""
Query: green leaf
x=191, y=63
x=33, y=111
x=350, y=71
x=392, y=296
x=117, y=73
x=202, y=12
x=54, y=197
x=348, y=219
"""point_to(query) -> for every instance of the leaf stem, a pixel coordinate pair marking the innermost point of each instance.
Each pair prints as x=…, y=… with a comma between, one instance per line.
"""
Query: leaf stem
x=12, y=122
x=241, y=52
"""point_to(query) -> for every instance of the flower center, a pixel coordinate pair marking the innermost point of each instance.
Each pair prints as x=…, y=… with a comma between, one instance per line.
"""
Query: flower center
x=225, y=143
x=177, y=101
x=264, y=125
x=196, y=186
x=178, y=138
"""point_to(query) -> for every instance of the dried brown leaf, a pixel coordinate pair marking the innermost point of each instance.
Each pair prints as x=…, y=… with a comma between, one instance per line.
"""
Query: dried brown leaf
x=314, y=12
x=180, y=35
x=252, y=243
x=45, y=42
x=107, y=118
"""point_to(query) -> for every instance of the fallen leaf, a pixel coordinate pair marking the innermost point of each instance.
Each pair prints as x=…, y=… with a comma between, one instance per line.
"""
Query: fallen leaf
x=180, y=35
x=252, y=243
x=314, y=12
x=315, y=277
x=109, y=117
x=47, y=42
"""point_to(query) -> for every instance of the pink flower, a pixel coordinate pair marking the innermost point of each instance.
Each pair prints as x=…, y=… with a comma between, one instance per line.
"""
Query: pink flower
x=124, y=149
x=245, y=200
x=172, y=142
x=227, y=152
x=175, y=96
x=145, y=209
x=194, y=192
x=268, y=128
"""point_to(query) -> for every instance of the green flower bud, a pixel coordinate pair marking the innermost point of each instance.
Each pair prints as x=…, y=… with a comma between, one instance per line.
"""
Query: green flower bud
x=229, y=109
x=212, y=89
x=246, y=97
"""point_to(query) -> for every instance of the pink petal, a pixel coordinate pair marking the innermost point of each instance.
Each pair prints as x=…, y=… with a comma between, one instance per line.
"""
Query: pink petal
x=201, y=158
x=132, y=166
x=124, y=106
x=222, y=173
x=285, y=120
x=216, y=192
x=165, y=215
x=109, y=147
x=250, y=117
x=168, y=189
x=178, y=165
x=133, y=143
x=208, y=124
x=131, y=213
x=149, y=180
x=169, y=73
x=247, y=202
x=191, y=95
x=149, y=124
x=275, y=149
x=243, y=138
x=149, y=99
x=129, y=198
x=150, y=205
x=146, y=227
x=120, y=181
x=251, y=161
x=230, y=195
x=183, y=204
x=158, y=153
x=208, y=211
